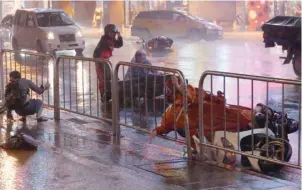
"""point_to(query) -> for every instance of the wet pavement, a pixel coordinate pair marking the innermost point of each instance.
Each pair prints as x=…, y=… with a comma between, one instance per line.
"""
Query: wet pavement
x=241, y=54
x=78, y=153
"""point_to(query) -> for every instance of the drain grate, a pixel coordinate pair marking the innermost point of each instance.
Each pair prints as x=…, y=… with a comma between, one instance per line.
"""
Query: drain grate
x=77, y=121
x=171, y=169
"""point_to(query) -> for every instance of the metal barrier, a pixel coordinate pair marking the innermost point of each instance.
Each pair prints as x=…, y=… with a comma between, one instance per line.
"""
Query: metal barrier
x=254, y=84
x=77, y=87
x=37, y=67
x=144, y=87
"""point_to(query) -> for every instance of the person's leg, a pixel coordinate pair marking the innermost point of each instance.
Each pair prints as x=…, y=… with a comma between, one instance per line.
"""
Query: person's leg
x=100, y=77
x=38, y=104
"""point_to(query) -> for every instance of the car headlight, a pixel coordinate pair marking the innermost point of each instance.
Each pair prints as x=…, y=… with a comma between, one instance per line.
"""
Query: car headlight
x=79, y=34
x=50, y=36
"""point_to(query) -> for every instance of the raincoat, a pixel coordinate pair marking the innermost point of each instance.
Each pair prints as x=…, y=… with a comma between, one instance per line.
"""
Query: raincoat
x=103, y=51
x=138, y=72
x=216, y=121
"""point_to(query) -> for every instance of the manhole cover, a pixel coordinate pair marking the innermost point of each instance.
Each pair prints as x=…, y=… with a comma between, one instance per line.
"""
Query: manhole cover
x=170, y=169
x=77, y=121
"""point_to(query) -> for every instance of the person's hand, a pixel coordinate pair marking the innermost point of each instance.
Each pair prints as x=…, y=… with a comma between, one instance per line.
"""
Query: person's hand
x=118, y=34
x=153, y=133
x=46, y=86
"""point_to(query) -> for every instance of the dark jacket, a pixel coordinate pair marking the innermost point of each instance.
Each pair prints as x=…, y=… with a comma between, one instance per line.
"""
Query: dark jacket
x=25, y=85
x=103, y=49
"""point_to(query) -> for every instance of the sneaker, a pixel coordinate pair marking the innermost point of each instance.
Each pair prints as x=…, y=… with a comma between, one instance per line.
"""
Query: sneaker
x=41, y=119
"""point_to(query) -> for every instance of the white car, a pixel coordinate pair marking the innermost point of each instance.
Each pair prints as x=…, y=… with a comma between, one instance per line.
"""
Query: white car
x=46, y=30
x=6, y=28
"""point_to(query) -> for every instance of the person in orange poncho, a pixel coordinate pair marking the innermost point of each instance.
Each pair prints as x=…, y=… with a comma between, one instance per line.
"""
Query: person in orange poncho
x=218, y=106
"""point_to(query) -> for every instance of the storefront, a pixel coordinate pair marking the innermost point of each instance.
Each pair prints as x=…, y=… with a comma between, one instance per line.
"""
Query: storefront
x=9, y=7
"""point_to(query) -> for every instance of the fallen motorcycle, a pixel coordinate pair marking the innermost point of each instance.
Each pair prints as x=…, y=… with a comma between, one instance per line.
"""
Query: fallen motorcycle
x=158, y=43
x=268, y=142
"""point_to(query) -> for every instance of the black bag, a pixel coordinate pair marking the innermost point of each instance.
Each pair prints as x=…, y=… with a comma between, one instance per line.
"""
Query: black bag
x=20, y=142
x=16, y=97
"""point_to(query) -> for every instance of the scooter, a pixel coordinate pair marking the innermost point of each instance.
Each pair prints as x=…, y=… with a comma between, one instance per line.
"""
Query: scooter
x=269, y=145
x=158, y=43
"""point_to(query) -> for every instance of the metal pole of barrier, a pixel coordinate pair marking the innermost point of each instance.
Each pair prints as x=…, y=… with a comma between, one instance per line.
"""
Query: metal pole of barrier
x=115, y=105
x=200, y=101
x=299, y=130
x=252, y=78
x=185, y=102
x=1, y=74
x=56, y=89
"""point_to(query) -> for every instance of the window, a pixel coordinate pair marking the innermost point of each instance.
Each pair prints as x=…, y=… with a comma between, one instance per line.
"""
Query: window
x=22, y=19
x=179, y=17
x=148, y=15
x=7, y=20
x=145, y=15
x=30, y=20
x=53, y=19
x=165, y=15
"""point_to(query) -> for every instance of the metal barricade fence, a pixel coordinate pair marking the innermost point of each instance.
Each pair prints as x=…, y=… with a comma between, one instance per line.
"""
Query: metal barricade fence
x=242, y=90
x=37, y=67
x=141, y=99
x=76, y=87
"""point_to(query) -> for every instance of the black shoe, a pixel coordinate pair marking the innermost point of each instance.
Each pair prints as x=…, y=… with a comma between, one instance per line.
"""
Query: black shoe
x=41, y=119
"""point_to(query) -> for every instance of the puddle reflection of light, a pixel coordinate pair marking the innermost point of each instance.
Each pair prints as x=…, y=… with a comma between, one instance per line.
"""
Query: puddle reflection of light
x=223, y=55
x=82, y=78
x=186, y=63
x=51, y=74
x=8, y=171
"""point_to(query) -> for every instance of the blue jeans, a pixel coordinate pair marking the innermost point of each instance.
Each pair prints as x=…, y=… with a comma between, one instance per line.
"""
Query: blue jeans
x=32, y=107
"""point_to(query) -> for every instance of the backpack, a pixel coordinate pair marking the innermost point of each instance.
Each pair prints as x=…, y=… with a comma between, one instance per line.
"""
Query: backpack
x=20, y=142
x=16, y=97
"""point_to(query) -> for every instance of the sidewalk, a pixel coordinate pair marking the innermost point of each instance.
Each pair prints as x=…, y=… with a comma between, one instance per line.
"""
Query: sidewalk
x=126, y=33
x=78, y=153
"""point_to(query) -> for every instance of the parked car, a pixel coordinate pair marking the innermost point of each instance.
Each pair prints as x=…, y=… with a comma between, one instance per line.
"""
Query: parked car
x=173, y=24
x=46, y=30
x=6, y=28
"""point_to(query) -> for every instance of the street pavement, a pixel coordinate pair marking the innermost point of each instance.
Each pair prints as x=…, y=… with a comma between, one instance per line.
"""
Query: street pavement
x=78, y=153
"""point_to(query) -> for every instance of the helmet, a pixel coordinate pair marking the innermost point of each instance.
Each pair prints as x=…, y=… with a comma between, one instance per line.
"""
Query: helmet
x=110, y=28
x=140, y=54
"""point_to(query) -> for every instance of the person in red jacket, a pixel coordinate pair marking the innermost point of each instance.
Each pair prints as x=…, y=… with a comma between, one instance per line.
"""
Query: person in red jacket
x=110, y=40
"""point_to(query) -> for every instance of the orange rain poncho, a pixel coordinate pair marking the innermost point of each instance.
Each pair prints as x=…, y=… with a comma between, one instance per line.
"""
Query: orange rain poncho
x=218, y=106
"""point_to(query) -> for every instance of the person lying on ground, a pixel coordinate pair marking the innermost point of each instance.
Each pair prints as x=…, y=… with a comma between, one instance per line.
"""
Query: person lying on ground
x=17, y=97
x=211, y=122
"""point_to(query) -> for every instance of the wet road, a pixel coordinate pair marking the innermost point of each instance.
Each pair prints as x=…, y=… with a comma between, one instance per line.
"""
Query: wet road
x=239, y=55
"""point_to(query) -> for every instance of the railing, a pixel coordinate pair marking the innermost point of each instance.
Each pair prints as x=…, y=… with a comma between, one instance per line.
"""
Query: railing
x=37, y=67
x=142, y=92
x=77, y=87
x=139, y=101
x=242, y=89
